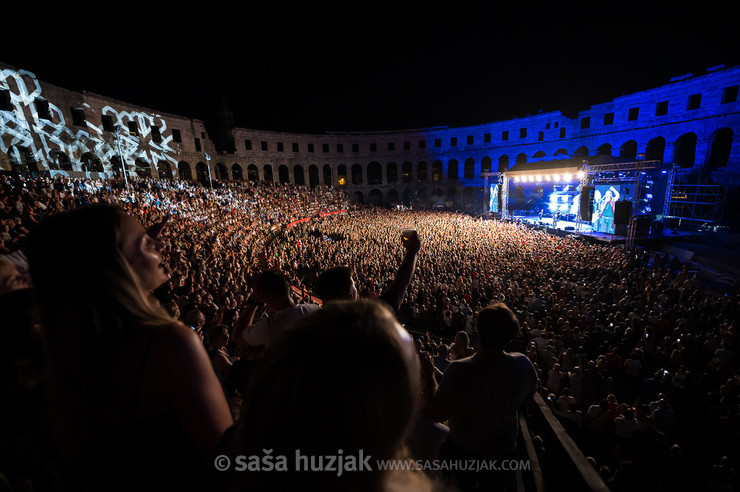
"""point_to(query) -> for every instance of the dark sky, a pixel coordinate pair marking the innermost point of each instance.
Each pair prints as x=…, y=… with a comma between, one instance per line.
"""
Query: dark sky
x=364, y=66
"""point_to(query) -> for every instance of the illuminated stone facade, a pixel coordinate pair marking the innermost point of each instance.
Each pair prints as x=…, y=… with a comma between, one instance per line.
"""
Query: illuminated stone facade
x=691, y=122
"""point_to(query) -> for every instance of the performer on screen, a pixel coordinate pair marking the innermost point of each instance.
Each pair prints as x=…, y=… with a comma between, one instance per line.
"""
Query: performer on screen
x=604, y=210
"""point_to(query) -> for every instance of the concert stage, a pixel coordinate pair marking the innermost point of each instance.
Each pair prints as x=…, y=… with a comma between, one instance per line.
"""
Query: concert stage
x=563, y=227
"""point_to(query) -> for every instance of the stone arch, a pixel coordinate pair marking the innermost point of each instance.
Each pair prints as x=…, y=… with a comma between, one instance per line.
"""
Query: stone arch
x=407, y=172
x=469, y=168
x=66, y=165
x=359, y=197
x=357, y=177
x=22, y=160
x=283, y=174
x=201, y=173
x=604, y=149
x=93, y=163
x=628, y=150
x=88, y=162
x=313, y=176
x=503, y=163
x=269, y=177
x=221, y=172
x=375, y=197
x=685, y=150
x=391, y=173
x=581, y=151
x=184, y=171
x=721, y=147
x=539, y=154
x=655, y=149
x=253, y=173
x=486, y=165
x=374, y=174
x=437, y=170
x=421, y=171
x=392, y=196
x=562, y=152
x=328, y=178
x=164, y=170
x=299, y=178
x=143, y=169
x=408, y=197
x=521, y=159
x=237, y=173
x=453, y=170
x=342, y=174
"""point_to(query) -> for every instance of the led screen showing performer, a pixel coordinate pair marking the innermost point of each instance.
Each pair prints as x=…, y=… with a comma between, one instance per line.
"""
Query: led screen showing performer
x=605, y=197
x=493, y=199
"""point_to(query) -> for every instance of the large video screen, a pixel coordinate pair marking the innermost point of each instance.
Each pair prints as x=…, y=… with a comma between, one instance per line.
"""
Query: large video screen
x=493, y=199
x=564, y=199
x=605, y=198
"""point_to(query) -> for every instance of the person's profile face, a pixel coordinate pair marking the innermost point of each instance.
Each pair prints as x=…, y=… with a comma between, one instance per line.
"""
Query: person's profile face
x=142, y=253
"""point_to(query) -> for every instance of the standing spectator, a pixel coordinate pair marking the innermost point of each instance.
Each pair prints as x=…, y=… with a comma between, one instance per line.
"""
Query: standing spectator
x=135, y=400
x=482, y=395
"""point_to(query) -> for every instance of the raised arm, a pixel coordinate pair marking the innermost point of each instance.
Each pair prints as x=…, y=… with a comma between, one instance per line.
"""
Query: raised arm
x=395, y=291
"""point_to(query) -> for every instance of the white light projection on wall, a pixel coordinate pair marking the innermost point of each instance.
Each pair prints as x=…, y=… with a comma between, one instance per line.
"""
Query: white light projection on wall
x=35, y=142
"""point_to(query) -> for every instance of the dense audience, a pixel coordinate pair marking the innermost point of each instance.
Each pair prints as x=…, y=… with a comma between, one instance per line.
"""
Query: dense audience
x=633, y=354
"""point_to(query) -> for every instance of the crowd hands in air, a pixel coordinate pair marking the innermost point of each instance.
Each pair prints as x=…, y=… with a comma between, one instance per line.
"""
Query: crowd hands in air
x=175, y=323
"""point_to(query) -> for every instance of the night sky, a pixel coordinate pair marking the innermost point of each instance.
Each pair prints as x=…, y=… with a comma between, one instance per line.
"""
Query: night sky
x=365, y=66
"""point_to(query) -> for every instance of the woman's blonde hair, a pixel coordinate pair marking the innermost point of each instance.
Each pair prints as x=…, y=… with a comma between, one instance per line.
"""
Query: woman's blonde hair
x=342, y=378
x=89, y=300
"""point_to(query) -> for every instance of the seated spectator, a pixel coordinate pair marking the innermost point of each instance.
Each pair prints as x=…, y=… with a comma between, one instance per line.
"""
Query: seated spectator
x=10, y=277
x=136, y=402
x=217, y=339
x=460, y=347
x=566, y=401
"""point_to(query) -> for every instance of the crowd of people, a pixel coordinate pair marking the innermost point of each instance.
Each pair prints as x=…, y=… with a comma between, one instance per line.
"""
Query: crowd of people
x=174, y=299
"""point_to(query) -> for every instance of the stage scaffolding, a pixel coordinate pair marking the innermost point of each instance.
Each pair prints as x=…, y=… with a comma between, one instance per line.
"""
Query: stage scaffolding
x=589, y=174
x=632, y=171
x=692, y=197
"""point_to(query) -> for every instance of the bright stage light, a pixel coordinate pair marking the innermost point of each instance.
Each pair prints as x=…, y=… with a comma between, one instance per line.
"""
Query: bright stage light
x=556, y=177
x=581, y=174
x=566, y=177
x=538, y=178
x=516, y=179
x=531, y=179
x=547, y=177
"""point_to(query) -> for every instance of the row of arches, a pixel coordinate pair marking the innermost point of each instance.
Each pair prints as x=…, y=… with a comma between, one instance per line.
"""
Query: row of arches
x=374, y=173
x=684, y=149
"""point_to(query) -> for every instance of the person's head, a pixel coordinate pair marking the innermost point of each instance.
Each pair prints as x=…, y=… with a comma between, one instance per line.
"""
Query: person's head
x=218, y=335
x=497, y=325
x=95, y=252
x=300, y=399
x=335, y=284
x=461, y=339
x=92, y=269
x=272, y=285
x=10, y=277
x=195, y=319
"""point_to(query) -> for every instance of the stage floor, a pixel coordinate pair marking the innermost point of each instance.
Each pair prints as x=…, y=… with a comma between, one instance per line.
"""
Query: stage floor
x=586, y=229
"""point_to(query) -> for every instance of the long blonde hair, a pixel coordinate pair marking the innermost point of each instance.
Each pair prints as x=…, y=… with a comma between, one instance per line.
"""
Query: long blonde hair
x=90, y=301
